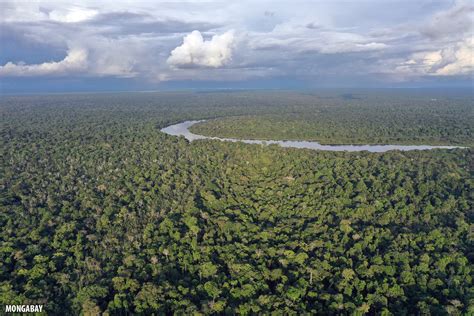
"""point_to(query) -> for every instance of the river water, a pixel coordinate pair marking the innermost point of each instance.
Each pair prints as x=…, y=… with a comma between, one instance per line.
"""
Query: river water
x=182, y=129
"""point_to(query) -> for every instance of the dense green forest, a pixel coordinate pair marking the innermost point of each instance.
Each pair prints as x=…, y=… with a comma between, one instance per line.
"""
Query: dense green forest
x=100, y=212
x=358, y=119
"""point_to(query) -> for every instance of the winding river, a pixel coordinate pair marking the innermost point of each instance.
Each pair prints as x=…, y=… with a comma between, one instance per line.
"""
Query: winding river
x=182, y=129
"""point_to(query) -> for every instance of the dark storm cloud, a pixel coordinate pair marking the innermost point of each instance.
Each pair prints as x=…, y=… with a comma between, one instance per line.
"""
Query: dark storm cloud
x=17, y=46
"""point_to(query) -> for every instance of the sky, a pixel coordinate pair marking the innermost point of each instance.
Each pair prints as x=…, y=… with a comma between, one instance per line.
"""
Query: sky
x=57, y=46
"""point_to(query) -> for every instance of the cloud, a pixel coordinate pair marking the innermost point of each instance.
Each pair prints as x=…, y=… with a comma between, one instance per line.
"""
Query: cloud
x=449, y=61
x=132, y=23
x=457, y=61
x=196, y=52
x=298, y=37
x=75, y=61
x=121, y=57
x=338, y=47
x=72, y=15
x=455, y=21
x=311, y=40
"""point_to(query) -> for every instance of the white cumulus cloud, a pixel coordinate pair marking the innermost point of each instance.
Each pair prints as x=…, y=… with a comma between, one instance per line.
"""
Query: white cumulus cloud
x=75, y=61
x=452, y=60
x=196, y=52
x=459, y=60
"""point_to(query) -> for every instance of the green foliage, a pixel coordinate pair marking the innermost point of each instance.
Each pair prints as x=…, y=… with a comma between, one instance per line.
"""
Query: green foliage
x=102, y=213
x=383, y=118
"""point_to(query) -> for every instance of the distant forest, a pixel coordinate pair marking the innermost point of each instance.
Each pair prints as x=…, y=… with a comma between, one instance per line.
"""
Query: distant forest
x=100, y=212
x=363, y=119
